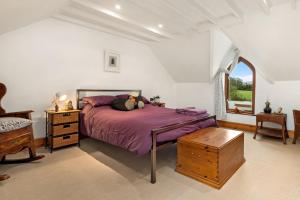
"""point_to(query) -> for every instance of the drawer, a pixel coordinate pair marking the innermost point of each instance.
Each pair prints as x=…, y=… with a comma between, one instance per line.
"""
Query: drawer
x=61, y=118
x=271, y=118
x=65, y=140
x=64, y=129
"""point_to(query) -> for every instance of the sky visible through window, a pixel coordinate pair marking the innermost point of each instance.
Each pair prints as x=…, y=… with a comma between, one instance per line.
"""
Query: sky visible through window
x=243, y=72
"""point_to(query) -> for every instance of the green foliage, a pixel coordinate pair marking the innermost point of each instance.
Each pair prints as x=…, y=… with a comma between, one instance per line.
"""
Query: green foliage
x=240, y=91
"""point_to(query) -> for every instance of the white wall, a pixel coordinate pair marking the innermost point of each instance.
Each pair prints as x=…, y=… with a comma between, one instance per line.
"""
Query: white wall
x=50, y=56
x=200, y=95
x=282, y=93
x=186, y=57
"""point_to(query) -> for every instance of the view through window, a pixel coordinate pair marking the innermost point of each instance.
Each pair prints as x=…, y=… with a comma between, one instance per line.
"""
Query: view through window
x=240, y=88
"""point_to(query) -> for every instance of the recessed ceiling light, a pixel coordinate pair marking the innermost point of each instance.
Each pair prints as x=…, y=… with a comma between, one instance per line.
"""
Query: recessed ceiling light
x=118, y=7
x=160, y=26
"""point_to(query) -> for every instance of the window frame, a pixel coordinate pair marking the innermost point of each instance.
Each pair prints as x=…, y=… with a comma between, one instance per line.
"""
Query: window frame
x=233, y=111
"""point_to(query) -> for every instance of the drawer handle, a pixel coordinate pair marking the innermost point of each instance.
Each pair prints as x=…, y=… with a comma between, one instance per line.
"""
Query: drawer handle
x=66, y=114
x=67, y=125
x=66, y=137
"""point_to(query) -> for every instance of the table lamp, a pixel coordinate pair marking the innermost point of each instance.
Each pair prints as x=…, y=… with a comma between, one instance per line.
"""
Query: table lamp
x=59, y=97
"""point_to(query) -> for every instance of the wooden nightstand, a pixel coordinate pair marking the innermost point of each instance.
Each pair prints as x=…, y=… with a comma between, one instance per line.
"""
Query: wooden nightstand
x=62, y=128
x=280, y=119
x=159, y=104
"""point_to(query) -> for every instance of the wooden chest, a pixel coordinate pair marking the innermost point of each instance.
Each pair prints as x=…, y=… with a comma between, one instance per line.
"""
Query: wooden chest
x=210, y=155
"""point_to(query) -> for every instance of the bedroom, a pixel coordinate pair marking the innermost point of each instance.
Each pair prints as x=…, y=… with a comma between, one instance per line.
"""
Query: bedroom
x=177, y=50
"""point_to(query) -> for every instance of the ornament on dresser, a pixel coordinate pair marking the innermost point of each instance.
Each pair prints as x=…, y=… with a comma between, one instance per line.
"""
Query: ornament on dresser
x=268, y=109
x=68, y=105
x=279, y=110
x=155, y=99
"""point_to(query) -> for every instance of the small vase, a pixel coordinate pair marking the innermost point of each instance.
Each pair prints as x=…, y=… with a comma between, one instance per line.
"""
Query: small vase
x=268, y=109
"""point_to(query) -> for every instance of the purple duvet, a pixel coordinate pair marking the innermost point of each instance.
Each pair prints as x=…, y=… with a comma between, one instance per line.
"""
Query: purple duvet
x=132, y=130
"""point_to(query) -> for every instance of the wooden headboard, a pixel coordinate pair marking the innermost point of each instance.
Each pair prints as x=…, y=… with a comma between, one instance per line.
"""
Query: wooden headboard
x=80, y=93
x=2, y=93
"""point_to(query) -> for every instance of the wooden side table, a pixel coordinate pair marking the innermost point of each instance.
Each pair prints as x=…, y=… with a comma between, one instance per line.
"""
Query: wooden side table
x=62, y=128
x=280, y=119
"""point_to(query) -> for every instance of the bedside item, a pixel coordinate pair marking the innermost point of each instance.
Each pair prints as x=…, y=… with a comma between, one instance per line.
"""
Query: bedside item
x=210, y=155
x=279, y=110
x=297, y=125
x=16, y=135
x=62, y=128
x=280, y=119
x=59, y=97
x=158, y=104
x=155, y=99
x=267, y=109
x=68, y=105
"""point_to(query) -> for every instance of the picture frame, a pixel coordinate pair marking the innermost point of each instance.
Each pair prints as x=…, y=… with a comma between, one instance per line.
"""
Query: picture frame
x=112, y=61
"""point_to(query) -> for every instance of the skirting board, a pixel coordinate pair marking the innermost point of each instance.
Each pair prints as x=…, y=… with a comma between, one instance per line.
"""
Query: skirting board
x=243, y=127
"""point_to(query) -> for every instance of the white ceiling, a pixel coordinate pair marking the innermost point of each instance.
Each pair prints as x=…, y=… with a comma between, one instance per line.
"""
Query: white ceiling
x=140, y=18
x=17, y=13
x=268, y=29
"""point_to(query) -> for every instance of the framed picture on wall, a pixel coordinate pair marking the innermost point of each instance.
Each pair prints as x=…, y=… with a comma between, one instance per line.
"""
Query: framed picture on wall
x=111, y=61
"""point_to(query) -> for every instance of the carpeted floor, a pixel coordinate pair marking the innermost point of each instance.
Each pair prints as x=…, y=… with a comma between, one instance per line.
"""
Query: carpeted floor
x=101, y=171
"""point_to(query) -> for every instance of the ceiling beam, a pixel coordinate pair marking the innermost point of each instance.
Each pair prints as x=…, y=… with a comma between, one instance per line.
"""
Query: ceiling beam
x=265, y=6
x=116, y=16
x=73, y=20
x=105, y=23
x=237, y=12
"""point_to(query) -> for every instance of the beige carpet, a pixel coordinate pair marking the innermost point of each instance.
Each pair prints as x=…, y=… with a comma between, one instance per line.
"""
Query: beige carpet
x=100, y=171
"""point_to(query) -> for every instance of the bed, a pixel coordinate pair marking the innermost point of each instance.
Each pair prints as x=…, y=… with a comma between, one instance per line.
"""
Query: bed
x=140, y=131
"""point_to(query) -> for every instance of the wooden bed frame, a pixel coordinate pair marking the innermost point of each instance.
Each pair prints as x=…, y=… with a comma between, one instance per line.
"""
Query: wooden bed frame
x=154, y=132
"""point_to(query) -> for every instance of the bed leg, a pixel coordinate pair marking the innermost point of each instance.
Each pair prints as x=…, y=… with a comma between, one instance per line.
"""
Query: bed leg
x=153, y=159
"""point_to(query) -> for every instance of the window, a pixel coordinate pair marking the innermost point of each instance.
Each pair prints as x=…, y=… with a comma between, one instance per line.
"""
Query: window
x=240, y=88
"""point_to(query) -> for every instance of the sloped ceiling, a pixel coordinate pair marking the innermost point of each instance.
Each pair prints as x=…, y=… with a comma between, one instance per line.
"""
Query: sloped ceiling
x=273, y=39
x=17, y=13
x=266, y=29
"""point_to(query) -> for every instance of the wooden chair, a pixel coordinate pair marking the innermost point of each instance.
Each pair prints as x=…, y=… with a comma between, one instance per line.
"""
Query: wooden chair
x=297, y=125
x=17, y=140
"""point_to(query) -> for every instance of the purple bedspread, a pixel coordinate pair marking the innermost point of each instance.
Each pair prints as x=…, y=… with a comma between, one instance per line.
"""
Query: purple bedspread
x=132, y=130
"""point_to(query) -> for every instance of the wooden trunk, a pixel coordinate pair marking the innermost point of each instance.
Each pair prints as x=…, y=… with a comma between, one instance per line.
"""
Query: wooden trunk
x=210, y=155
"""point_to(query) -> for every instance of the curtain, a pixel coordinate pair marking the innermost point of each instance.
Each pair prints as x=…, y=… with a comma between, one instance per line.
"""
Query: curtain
x=231, y=57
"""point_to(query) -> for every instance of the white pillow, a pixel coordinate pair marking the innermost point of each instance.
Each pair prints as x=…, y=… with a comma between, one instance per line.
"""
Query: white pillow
x=13, y=123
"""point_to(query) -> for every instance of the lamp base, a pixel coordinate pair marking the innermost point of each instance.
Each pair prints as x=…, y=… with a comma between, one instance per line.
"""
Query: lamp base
x=56, y=108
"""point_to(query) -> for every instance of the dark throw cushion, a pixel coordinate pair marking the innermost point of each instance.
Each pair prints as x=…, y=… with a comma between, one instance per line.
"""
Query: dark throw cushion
x=126, y=96
x=122, y=105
